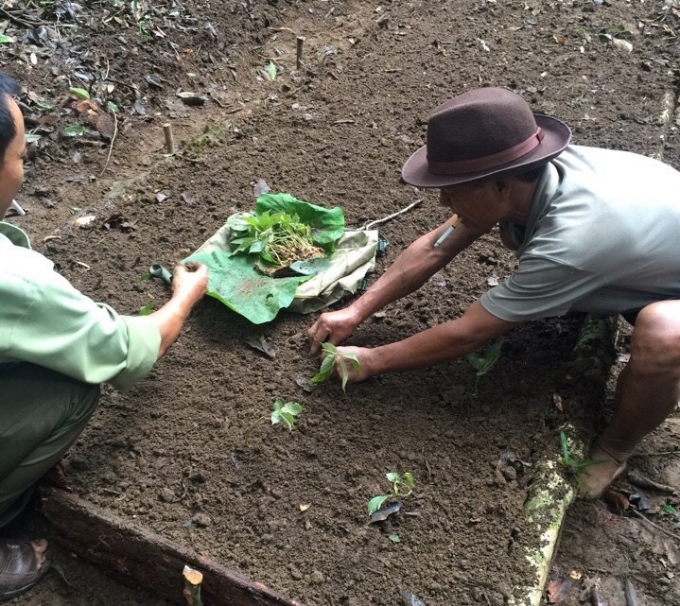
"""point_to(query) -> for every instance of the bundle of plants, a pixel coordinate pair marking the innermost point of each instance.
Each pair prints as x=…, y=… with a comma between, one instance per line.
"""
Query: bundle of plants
x=286, y=236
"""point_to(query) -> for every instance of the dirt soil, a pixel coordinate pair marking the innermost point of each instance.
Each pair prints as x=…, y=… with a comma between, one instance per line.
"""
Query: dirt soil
x=288, y=508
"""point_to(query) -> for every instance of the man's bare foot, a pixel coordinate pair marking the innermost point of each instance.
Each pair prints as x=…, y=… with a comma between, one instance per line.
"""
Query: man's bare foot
x=595, y=478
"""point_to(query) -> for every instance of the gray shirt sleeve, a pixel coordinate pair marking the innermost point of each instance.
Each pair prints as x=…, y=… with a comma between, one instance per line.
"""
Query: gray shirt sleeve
x=539, y=288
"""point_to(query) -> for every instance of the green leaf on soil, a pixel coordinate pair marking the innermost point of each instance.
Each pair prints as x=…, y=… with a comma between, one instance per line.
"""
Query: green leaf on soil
x=147, y=309
x=6, y=39
x=32, y=138
x=285, y=413
x=394, y=538
x=271, y=71
x=80, y=93
x=376, y=503
x=73, y=131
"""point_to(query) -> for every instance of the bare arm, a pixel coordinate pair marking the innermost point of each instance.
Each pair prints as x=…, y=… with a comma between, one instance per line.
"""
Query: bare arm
x=444, y=342
x=412, y=268
x=189, y=284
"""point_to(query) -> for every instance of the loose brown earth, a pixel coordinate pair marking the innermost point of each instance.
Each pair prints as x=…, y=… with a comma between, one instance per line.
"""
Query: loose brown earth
x=171, y=453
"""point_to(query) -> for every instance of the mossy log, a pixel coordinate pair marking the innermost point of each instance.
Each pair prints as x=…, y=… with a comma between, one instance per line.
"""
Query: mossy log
x=552, y=491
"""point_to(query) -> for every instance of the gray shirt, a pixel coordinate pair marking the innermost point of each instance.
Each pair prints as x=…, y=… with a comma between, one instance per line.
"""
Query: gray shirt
x=603, y=236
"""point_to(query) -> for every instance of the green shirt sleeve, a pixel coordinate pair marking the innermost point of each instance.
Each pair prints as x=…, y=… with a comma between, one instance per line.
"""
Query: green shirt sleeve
x=46, y=321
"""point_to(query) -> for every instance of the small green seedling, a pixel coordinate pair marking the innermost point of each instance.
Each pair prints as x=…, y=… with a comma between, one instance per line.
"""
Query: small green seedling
x=147, y=309
x=333, y=357
x=483, y=363
x=281, y=413
x=402, y=486
x=573, y=467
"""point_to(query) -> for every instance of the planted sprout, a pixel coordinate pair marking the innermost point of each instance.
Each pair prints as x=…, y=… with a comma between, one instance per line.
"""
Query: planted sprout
x=329, y=361
x=402, y=486
x=483, y=363
x=281, y=413
x=573, y=467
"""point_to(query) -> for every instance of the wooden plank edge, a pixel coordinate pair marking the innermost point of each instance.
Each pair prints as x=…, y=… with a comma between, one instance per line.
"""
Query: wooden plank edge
x=144, y=559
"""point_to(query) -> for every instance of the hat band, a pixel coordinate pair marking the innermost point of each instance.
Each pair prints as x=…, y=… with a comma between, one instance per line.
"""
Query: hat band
x=475, y=165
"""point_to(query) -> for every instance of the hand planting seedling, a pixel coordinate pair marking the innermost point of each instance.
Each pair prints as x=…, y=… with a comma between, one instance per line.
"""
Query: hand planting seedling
x=484, y=363
x=278, y=238
x=281, y=413
x=402, y=486
x=333, y=356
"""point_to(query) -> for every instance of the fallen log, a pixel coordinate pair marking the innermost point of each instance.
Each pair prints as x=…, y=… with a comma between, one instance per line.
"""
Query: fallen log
x=552, y=492
x=137, y=556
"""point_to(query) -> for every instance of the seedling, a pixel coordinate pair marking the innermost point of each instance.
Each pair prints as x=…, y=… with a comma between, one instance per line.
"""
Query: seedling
x=333, y=357
x=573, y=467
x=147, y=309
x=281, y=413
x=483, y=363
x=402, y=486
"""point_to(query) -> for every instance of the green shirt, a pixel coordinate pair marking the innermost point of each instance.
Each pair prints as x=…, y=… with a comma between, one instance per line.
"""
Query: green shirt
x=46, y=321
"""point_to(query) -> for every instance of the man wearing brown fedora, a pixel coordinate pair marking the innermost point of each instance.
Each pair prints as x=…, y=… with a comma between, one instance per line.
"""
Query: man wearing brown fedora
x=594, y=230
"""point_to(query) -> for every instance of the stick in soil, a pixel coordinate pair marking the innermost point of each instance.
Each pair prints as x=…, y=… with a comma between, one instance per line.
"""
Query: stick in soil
x=169, y=139
x=192, y=586
x=300, y=42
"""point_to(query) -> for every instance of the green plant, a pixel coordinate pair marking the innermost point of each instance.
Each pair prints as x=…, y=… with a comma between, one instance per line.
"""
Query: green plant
x=147, y=309
x=281, y=413
x=483, y=363
x=402, y=486
x=278, y=238
x=333, y=356
x=574, y=467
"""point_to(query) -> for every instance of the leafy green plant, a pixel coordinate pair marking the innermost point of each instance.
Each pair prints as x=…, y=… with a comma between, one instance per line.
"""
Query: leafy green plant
x=278, y=238
x=402, y=486
x=284, y=413
x=484, y=362
x=329, y=361
x=573, y=466
x=147, y=309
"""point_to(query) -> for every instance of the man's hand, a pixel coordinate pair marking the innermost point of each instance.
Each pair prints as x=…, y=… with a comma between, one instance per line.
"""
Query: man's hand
x=354, y=375
x=333, y=326
x=190, y=282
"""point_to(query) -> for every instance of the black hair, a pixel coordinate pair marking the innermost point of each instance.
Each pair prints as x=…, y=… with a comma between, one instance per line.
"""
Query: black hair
x=532, y=174
x=8, y=129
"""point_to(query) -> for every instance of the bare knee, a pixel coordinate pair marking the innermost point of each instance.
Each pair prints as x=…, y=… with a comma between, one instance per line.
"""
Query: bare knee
x=655, y=346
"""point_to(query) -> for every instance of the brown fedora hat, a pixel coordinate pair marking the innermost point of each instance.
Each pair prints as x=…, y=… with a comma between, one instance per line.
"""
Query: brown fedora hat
x=481, y=134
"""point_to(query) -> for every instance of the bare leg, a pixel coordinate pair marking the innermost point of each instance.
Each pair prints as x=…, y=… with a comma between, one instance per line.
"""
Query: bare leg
x=647, y=392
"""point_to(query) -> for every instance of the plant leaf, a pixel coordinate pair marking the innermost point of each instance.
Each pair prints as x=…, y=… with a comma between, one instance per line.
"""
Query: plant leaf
x=393, y=477
x=80, y=93
x=271, y=71
x=5, y=39
x=73, y=131
x=147, y=309
x=408, y=479
x=325, y=371
x=376, y=503
x=394, y=538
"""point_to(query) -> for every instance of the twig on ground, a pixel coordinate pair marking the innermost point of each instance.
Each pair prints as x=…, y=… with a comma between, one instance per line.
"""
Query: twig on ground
x=659, y=528
x=656, y=454
x=642, y=482
x=371, y=224
x=169, y=138
x=113, y=140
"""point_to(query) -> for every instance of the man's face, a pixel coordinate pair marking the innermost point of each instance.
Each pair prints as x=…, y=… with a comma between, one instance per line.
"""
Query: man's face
x=12, y=169
x=480, y=206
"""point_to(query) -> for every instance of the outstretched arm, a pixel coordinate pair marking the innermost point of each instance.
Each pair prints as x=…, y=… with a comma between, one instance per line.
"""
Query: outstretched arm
x=412, y=268
x=444, y=342
x=189, y=284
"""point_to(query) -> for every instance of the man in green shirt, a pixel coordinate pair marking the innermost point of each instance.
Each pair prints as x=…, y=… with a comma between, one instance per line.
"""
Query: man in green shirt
x=56, y=347
x=594, y=230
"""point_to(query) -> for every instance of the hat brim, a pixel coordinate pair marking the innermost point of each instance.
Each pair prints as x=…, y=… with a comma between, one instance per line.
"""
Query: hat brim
x=557, y=135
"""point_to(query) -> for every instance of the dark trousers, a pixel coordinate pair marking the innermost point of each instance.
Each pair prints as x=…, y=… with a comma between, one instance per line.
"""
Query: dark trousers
x=42, y=413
